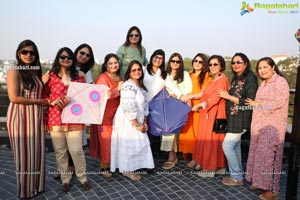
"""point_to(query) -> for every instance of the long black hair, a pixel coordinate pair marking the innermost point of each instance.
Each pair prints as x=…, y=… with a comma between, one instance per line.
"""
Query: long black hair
x=106, y=59
x=205, y=68
x=162, y=67
x=90, y=63
x=56, y=66
x=139, y=44
x=180, y=71
x=127, y=74
x=26, y=75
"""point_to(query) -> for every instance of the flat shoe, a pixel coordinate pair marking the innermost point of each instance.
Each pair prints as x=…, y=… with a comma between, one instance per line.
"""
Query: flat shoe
x=169, y=164
x=86, y=186
x=251, y=187
x=206, y=174
x=132, y=176
x=65, y=187
x=268, y=195
x=232, y=182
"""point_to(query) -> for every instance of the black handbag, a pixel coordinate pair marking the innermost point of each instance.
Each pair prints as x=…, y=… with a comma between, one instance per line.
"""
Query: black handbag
x=220, y=126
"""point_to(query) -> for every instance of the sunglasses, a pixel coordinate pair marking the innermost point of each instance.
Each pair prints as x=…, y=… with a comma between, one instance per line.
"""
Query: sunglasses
x=158, y=58
x=134, y=35
x=175, y=61
x=136, y=70
x=26, y=52
x=63, y=57
x=84, y=54
x=214, y=64
x=237, y=62
x=198, y=61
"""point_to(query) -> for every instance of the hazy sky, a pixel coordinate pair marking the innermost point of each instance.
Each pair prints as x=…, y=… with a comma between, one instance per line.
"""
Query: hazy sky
x=184, y=26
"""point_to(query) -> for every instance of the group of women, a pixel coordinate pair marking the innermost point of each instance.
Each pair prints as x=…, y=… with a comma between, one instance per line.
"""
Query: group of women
x=121, y=141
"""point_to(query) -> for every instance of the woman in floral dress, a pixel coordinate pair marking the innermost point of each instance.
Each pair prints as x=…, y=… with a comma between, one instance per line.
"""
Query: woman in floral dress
x=269, y=121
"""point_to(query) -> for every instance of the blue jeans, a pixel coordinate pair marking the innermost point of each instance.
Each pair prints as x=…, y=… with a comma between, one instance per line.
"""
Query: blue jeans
x=232, y=150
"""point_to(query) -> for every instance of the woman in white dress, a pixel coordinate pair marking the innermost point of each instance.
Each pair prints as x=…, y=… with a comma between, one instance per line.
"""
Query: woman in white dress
x=178, y=85
x=130, y=146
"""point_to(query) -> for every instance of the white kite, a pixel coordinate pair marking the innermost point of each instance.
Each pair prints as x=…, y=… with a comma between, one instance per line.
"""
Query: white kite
x=87, y=103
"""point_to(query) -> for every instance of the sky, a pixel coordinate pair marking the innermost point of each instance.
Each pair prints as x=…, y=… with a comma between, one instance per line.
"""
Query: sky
x=184, y=26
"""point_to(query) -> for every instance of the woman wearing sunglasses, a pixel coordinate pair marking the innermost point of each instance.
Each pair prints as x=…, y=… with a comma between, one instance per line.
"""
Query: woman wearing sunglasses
x=243, y=85
x=130, y=146
x=208, y=145
x=25, y=120
x=178, y=85
x=200, y=79
x=132, y=49
x=65, y=137
x=85, y=60
x=154, y=79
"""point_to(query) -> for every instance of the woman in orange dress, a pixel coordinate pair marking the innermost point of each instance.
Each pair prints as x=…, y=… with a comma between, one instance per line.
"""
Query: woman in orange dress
x=208, y=145
x=101, y=136
x=200, y=79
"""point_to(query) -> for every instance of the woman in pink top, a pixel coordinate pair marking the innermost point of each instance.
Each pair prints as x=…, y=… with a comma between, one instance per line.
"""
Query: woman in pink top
x=268, y=126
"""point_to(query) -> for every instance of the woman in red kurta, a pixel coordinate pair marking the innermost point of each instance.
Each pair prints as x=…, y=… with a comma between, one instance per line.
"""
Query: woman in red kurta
x=200, y=79
x=101, y=135
x=65, y=137
x=208, y=146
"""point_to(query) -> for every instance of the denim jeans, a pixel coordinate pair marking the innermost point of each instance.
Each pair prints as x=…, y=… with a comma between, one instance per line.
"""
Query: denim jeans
x=232, y=150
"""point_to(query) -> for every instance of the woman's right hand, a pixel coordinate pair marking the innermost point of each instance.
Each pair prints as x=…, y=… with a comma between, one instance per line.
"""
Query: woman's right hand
x=196, y=108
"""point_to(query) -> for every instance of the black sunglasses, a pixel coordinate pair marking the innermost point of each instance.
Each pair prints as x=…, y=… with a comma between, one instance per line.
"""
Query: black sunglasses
x=84, y=54
x=175, y=61
x=63, y=57
x=214, y=64
x=134, y=35
x=237, y=62
x=26, y=52
x=198, y=61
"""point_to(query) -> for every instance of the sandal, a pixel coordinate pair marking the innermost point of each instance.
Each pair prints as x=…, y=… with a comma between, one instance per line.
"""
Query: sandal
x=169, y=164
x=192, y=164
x=132, y=176
x=268, y=195
x=106, y=173
x=197, y=167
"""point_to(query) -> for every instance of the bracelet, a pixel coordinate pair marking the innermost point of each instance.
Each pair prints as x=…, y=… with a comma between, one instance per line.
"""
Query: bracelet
x=193, y=96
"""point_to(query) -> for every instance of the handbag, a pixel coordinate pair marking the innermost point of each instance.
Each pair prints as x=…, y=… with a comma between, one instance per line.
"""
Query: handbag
x=220, y=125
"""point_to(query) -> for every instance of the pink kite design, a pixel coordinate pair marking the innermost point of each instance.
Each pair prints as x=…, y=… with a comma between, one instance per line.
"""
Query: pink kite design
x=87, y=103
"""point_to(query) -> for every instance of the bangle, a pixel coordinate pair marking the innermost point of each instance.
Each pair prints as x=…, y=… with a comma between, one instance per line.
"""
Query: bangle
x=193, y=96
